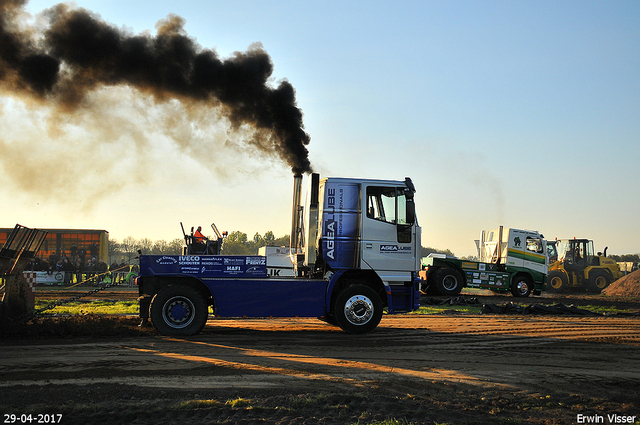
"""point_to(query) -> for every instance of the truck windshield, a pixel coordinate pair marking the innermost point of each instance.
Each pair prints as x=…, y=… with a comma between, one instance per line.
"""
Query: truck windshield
x=563, y=248
x=402, y=209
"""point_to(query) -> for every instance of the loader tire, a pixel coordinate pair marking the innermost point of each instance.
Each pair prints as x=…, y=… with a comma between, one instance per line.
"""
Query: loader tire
x=178, y=310
x=556, y=282
x=446, y=281
x=598, y=280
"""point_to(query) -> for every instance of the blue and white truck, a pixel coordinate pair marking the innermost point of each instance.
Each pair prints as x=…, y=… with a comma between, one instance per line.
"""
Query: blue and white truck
x=355, y=249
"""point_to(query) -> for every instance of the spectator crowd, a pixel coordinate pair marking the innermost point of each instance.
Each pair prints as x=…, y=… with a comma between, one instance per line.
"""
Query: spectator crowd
x=84, y=265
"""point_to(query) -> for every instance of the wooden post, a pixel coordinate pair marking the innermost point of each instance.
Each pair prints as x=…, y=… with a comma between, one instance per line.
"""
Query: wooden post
x=19, y=297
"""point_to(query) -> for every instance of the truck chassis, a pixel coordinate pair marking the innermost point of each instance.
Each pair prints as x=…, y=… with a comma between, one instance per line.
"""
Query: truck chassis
x=178, y=304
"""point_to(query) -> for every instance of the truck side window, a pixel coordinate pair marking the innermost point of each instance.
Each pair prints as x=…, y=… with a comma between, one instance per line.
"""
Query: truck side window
x=534, y=244
x=389, y=204
x=381, y=204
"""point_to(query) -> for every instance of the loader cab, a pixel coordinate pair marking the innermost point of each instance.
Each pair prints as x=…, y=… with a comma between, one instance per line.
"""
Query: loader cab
x=576, y=254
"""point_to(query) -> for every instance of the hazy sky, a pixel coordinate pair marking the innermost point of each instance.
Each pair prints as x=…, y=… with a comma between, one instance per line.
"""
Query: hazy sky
x=517, y=113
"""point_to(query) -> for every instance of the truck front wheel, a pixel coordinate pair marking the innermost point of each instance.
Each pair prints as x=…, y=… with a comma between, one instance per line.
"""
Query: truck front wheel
x=178, y=310
x=521, y=286
x=446, y=281
x=358, y=309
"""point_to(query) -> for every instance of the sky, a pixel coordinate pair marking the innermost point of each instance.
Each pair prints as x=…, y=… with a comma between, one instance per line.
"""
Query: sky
x=515, y=113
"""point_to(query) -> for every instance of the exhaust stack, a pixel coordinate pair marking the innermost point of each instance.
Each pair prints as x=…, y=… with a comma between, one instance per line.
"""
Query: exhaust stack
x=312, y=222
x=499, y=258
x=296, y=221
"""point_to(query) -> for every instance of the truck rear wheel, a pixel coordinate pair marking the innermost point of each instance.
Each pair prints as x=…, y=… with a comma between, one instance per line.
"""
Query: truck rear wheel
x=178, y=310
x=556, y=282
x=521, y=286
x=598, y=280
x=446, y=281
x=358, y=309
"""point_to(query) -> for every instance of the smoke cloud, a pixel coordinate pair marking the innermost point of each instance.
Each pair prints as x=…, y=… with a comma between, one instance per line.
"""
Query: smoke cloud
x=64, y=63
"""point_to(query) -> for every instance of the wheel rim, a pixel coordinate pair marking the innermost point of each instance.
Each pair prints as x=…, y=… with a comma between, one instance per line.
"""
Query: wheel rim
x=178, y=312
x=556, y=283
x=601, y=282
x=449, y=282
x=522, y=287
x=358, y=310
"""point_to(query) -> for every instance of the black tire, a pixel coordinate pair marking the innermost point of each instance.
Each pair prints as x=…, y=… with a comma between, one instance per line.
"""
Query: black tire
x=446, y=281
x=598, y=280
x=521, y=286
x=178, y=310
x=358, y=309
x=556, y=282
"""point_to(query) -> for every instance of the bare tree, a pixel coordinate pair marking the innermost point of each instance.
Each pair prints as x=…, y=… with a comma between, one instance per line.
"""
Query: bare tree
x=129, y=248
x=160, y=247
x=175, y=246
x=145, y=244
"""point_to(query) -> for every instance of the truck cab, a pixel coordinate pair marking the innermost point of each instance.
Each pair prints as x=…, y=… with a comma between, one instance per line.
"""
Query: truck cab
x=515, y=248
x=371, y=226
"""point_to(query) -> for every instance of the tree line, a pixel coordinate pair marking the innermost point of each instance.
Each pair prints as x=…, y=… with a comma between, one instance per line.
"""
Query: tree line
x=238, y=243
x=626, y=258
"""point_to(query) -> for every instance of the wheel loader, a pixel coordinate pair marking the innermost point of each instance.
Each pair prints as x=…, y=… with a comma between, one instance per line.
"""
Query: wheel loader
x=573, y=266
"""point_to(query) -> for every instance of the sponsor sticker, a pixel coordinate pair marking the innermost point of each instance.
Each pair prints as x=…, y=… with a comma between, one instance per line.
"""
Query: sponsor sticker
x=166, y=260
x=256, y=261
x=233, y=261
x=389, y=248
x=186, y=260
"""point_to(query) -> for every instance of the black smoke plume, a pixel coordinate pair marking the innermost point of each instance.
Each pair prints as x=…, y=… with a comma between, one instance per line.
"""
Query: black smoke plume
x=77, y=53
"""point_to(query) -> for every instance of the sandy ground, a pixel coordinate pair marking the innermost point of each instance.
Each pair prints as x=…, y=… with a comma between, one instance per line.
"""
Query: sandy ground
x=457, y=369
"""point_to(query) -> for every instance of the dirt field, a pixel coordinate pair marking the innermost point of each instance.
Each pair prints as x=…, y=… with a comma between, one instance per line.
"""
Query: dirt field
x=436, y=369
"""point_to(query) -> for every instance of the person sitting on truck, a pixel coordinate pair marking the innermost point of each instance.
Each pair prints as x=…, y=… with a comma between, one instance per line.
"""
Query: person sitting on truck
x=199, y=241
x=198, y=236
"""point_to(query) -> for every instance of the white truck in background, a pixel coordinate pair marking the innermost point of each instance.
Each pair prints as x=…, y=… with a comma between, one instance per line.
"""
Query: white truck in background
x=509, y=260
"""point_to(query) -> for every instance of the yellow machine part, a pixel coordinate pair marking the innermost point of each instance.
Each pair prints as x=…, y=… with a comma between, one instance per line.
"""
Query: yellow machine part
x=599, y=277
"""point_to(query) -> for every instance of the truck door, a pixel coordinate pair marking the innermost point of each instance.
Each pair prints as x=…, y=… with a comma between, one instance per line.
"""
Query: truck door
x=389, y=233
x=515, y=240
x=535, y=256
